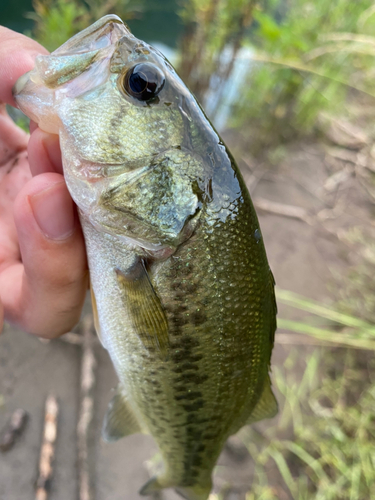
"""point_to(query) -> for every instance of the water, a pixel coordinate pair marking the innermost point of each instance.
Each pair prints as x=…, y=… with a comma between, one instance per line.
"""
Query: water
x=12, y=14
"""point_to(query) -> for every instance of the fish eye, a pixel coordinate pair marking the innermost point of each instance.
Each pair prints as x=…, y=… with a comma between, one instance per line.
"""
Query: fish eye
x=144, y=81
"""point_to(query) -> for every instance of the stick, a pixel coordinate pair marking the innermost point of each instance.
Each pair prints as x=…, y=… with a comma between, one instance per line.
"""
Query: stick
x=76, y=338
x=300, y=339
x=284, y=210
x=86, y=410
x=72, y=338
x=13, y=430
x=47, y=451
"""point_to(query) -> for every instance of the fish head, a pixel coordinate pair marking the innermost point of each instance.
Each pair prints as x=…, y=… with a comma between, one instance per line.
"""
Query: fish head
x=101, y=88
x=117, y=105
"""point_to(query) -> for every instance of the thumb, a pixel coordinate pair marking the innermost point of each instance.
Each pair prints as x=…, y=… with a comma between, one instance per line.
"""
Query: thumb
x=1, y=317
x=46, y=291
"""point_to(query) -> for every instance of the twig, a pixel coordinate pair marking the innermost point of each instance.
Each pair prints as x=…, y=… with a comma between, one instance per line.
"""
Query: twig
x=13, y=430
x=76, y=338
x=283, y=210
x=88, y=365
x=251, y=179
x=47, y=451
x=343, y=154
x=299, y=339
x=340, y=177
x=72, y=338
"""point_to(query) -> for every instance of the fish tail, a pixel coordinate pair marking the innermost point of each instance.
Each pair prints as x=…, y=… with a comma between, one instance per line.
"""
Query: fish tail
x=196, y=492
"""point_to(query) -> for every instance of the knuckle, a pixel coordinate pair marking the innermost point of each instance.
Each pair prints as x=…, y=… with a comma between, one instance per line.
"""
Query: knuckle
x=67, y=279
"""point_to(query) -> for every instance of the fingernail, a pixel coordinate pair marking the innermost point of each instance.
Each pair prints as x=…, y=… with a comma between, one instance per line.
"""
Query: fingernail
x=53, y=210
x=52, y=147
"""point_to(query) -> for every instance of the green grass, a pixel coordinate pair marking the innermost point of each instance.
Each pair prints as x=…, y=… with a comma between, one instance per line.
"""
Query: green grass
x=345, y=329
x=308, y=56
x=329, y=451
x=323, y=443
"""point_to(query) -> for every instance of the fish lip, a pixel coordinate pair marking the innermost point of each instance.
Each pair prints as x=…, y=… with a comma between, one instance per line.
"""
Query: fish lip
x=20, y=84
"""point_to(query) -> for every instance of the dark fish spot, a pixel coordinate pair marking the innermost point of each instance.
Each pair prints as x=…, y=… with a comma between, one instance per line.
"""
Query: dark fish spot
x=181, y=308
x=192, y=419
x=179, y=355
x=194, y=436
x=196, y=461
x=185, y=355
x=193, y=378
x=186, y=270
x=194, y=406
x=185, y=367
x=191, y=288
x=179, y=295
x=177, y=323
x=194, y=473
x=198, y=317
x=180, y=388
x=211, y=436
x=173, y=277
x=195, y=358
x=189, y=396
x=186, y=342
x=175, y=285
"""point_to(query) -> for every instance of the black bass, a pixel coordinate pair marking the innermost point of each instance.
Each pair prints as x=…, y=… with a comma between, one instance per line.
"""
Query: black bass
x=183, y=296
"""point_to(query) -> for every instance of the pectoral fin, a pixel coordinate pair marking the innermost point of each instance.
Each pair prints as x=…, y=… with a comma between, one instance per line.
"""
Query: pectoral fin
x=266, y=407
x=145, y=308
x=120, y=420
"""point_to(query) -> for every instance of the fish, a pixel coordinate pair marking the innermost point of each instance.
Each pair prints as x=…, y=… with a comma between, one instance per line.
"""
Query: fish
x=182, y=292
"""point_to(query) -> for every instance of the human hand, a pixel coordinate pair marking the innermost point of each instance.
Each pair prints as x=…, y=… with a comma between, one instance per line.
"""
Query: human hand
x=43, y=269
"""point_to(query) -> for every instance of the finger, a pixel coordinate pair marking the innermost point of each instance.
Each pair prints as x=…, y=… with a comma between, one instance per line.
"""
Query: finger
x=44, y=294
x=12, y=138
x=44, y=153
x=1, y=317
x=17, y=54
x=32, y=126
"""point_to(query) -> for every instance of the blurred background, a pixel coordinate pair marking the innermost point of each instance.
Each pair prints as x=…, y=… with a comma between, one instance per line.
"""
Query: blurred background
x=289, y=84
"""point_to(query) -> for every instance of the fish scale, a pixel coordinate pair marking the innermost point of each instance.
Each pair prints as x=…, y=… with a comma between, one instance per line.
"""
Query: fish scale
x=182, y=293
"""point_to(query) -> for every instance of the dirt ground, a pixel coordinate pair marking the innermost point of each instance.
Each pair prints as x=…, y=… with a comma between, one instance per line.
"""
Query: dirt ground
x=303, y=258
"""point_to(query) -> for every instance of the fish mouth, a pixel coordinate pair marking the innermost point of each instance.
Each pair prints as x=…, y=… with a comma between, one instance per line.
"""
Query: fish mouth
x=106, y=31
x=77, y=66
x=20, y=84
